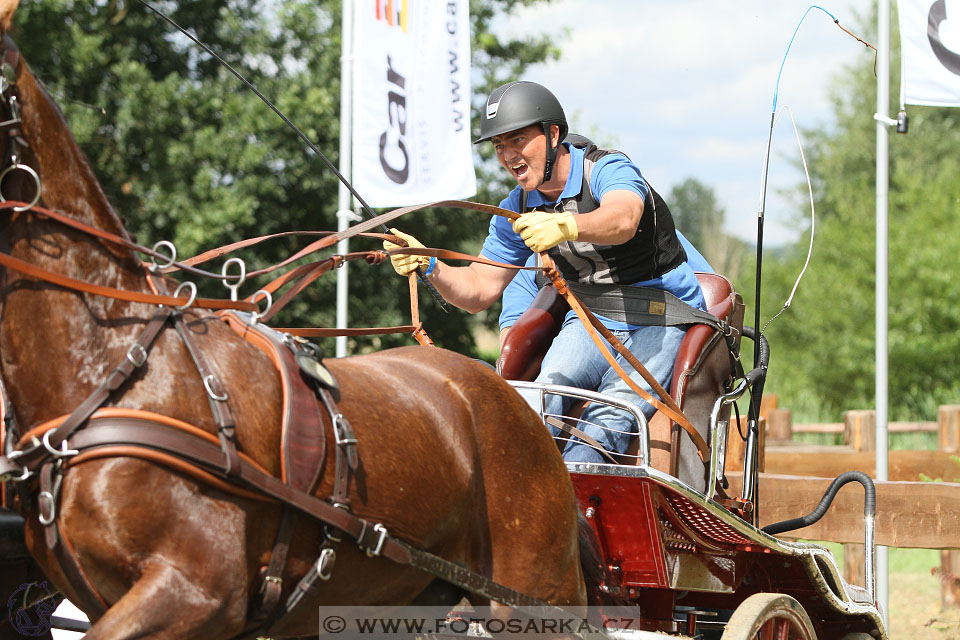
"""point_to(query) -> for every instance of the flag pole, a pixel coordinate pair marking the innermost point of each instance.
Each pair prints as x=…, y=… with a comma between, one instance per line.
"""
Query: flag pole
x=344, y=213
x=881, y=341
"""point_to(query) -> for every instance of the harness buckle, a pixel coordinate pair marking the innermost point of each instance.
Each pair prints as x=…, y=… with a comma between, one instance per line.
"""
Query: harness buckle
x=137, y=355
x=338, y=430
x=383, y=538
x=268, y=579
x=47, y=507
x=208, y=384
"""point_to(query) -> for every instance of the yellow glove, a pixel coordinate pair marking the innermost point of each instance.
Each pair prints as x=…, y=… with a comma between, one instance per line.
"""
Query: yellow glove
x=404, y=264
x=542, y=230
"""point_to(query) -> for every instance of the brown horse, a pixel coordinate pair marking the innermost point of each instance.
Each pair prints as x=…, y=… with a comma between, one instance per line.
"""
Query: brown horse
x=451, y=460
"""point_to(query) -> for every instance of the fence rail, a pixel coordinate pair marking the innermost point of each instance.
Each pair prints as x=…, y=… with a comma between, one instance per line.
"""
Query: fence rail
x=910, y=513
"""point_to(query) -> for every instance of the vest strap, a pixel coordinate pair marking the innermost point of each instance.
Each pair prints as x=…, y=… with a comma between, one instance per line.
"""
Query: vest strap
x=641, y=306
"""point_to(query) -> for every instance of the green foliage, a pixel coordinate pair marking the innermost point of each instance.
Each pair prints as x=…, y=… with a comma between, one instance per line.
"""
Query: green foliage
x=187, y=154
x=823, y=347
x=699, y=216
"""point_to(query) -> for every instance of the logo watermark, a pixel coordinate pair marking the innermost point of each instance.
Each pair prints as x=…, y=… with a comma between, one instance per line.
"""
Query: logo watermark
x=30, y=608
x=480, y=622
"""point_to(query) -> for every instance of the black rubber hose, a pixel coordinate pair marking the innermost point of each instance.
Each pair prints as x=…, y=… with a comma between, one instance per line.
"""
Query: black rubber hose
x=762, y=345
x=869, y=503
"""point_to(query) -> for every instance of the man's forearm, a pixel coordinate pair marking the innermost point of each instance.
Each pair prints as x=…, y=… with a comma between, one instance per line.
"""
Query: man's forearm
x=472, y=288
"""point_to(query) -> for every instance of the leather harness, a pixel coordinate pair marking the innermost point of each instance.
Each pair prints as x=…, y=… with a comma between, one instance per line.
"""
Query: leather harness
x=91, y=432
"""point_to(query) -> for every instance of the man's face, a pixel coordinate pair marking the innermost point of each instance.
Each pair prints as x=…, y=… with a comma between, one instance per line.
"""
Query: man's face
x=523, y=153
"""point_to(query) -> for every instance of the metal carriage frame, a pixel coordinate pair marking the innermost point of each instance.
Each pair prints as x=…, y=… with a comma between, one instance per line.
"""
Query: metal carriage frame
x=690, y=565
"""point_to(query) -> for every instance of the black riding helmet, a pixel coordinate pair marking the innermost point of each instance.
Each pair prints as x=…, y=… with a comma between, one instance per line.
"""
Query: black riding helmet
x=519, y=104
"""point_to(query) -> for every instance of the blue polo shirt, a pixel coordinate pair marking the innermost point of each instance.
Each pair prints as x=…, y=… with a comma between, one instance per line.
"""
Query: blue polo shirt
x=611, y=172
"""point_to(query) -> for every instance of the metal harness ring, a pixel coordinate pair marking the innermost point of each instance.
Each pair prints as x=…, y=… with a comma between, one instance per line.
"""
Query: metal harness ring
x=36, y=178
x=63, y=452
x=325, y=563
x=193, y=294
x=163, y=244
x=233, y=287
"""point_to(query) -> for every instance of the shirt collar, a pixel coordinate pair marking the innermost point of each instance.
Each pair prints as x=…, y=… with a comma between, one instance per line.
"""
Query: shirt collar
x=574, y=182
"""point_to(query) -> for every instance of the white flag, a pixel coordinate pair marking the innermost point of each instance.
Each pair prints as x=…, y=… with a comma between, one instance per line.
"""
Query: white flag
x=411, y=102
x=930, y=41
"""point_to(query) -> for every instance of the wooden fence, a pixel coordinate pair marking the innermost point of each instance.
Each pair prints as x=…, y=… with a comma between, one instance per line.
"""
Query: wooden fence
x=910, y=513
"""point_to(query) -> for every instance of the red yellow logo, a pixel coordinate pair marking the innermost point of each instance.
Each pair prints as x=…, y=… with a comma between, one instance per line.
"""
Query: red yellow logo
x=394, y=12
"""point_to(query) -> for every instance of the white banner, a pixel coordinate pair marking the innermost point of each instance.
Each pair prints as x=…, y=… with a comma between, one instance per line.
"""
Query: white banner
x=411, y=101
x=930, y=40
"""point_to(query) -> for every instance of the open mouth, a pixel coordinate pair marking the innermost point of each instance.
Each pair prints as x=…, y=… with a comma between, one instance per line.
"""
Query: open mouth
x=520, y=170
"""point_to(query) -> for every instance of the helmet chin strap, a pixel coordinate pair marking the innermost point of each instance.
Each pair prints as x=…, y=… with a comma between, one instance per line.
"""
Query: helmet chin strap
x=551, y=154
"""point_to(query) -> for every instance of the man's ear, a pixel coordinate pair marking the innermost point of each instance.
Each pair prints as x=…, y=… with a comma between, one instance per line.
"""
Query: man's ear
x=7, y=7
x=554, y=136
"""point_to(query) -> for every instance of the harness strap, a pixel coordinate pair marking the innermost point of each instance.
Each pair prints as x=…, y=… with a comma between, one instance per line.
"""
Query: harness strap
x=583, y=435
x=57, y=542
x=346, y=450
x=213, y=388
x=374, y=538
x=216, y=396
x=271, y=585
x=668, y=405
x=136, y=357
x=117, y=294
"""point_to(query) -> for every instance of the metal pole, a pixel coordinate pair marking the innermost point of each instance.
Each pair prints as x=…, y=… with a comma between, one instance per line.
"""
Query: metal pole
x=881, y=346
x=344, y=214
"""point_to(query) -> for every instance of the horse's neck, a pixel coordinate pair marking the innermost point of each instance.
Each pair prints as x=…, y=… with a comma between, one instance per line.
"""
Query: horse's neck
x=50, y=337
x=69, y=184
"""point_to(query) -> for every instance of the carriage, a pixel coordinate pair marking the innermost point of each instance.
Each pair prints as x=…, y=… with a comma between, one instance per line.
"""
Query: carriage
x=154, y=421
x=680, y=546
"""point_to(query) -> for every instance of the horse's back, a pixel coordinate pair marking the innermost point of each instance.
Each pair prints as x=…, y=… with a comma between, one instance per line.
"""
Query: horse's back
x=452, y=430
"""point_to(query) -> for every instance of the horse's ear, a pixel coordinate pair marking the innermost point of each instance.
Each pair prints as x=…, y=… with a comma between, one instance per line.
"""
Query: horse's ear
x=7, y=7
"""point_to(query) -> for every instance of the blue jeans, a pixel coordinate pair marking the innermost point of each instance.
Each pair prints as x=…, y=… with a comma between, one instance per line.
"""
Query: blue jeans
x=574, y=360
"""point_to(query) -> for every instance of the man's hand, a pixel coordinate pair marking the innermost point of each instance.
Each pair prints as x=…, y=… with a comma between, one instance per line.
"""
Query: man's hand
x=542, y=230
x=405, y=264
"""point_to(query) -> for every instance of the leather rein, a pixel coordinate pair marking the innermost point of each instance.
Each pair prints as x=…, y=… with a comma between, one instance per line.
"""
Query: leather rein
x=82, y=435
x=88, y=433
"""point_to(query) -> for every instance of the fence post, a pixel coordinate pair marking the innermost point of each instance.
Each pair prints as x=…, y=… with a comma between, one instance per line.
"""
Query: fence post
x=948, y=420
x=780, y=425
x=859, y=432
x=948, y=439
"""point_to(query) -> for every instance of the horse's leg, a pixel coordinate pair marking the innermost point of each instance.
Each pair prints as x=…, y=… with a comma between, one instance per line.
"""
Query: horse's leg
x=531, y=507
x=170, y=556
x=164, y=603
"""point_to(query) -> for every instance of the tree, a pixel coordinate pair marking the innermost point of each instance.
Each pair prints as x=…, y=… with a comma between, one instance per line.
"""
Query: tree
x=700, y=217
x=187, y=154
x=823, y=348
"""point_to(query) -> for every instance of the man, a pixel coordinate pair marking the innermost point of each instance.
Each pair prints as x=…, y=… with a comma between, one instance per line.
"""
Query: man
x=607, y=231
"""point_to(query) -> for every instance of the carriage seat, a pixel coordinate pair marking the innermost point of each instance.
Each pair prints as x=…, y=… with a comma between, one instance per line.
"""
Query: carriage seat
x=701, y=369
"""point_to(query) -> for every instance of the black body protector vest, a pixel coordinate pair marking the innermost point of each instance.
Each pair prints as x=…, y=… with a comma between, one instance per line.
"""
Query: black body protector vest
x=600, y=275
x=653, y=251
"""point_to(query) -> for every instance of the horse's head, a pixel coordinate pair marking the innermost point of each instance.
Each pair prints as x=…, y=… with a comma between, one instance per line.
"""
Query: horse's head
x=7, y=7
x=40, y=161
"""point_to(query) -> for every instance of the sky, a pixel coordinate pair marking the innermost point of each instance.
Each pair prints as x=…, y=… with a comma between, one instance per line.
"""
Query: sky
x=686, y=89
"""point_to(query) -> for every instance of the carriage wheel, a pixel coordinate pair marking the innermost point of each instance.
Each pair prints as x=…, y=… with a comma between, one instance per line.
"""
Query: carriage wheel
x=769, y=616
